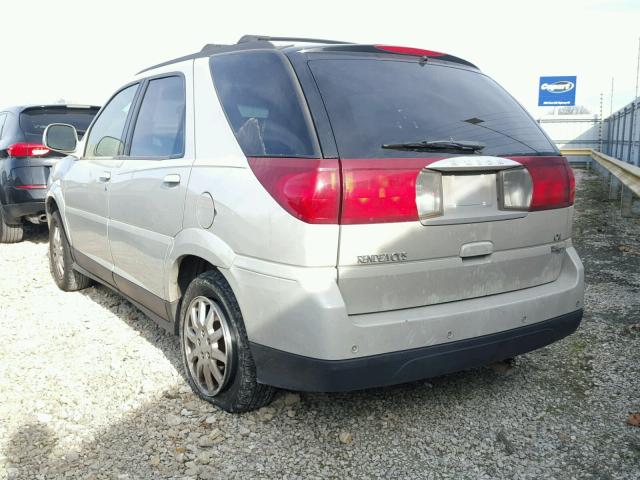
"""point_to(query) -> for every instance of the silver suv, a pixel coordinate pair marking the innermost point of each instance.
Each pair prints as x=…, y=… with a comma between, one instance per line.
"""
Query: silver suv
x=320, y=216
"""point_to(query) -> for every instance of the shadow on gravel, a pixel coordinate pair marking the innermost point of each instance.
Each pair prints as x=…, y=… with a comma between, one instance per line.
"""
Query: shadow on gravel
x=36, y=234
x=300, y=438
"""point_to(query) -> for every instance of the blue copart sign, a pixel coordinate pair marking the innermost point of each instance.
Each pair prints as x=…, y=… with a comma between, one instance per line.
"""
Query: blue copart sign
x=557, y=91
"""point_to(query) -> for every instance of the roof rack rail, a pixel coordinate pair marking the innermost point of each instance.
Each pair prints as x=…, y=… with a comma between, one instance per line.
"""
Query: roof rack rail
x=265, y=38
x=212, y=48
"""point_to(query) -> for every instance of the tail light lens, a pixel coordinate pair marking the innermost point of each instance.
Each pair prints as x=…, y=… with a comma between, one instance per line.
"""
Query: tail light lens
x=515, y=189
x=360, y=191
x=429, y=194
x=27, y=150
x=370, y=190
x=309, y=189
x=381, y=190
x=552, y=182
x=409, y=51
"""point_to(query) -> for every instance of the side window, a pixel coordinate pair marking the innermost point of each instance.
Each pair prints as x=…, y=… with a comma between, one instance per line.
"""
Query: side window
x=106, y=138
x=159, y=129
x=3, y=117
x=264, y=104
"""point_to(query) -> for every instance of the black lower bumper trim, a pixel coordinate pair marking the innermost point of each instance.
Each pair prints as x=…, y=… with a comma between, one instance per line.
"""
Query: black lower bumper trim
x=14, y=212
x=297, y=372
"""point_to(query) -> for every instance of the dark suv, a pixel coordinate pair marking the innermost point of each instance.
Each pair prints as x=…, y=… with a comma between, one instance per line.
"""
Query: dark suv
x=25, y=162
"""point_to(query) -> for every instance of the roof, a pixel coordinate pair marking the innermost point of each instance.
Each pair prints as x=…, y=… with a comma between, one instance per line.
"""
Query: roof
x=261, y=42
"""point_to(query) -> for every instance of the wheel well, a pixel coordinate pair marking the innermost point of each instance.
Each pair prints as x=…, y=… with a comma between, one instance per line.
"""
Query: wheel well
x=190, y=267
x=51, y=206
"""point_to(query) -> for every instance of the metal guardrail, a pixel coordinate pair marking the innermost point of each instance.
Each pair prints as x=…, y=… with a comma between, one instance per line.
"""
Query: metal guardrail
x=628, y=174
x=578, y=156
x=623, y=177
x=580, y=152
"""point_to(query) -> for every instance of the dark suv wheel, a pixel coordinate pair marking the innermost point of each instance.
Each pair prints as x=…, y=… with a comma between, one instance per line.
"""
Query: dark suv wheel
x=10, y=233
x=215, y=348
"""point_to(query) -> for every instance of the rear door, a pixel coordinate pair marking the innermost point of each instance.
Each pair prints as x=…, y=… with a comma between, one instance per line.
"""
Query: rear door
x=397, y=251
x=148, y=189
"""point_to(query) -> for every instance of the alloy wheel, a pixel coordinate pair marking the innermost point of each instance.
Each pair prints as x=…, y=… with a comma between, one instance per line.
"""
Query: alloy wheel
x=207, y=345
x=57, y=251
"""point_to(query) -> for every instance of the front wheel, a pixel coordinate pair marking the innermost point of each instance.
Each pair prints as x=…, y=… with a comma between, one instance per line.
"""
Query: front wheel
x=215, y=348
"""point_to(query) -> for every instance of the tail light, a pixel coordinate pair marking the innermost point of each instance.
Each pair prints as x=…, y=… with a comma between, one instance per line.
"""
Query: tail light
x=382, y=190
x=409, y=51
x=429, y=194
x=515, y=189
x=27, y=150
x=309, y=189
x=370, y=191
x=357, y=191
x=553, y=182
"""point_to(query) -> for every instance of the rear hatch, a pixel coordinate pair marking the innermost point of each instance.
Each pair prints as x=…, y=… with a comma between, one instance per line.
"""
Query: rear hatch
x=33, y=121
x=450, y=190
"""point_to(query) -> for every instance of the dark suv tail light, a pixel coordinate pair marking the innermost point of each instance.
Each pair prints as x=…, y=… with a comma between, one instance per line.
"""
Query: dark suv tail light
x=27, y=150
x=553, y=182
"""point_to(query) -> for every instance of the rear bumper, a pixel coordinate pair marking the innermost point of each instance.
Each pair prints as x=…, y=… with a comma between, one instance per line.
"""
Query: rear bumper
x=301, y=311
x=13, y=213
x=297, y=372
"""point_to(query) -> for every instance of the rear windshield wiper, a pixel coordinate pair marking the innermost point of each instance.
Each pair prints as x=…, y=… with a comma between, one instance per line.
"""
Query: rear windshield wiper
x=460, y=146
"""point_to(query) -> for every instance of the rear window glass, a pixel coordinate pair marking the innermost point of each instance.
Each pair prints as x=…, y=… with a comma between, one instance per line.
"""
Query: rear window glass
x=375, y=102
x=34, y=121
x=264, y=104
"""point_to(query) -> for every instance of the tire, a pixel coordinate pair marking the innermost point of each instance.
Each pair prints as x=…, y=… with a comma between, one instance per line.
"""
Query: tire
x=10, y=233
x=205, y=343
x=60, y=260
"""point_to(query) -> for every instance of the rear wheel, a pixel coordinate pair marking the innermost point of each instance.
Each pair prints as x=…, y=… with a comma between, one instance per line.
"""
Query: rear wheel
x=215, y=347
x=60, y=261
x=10, y=233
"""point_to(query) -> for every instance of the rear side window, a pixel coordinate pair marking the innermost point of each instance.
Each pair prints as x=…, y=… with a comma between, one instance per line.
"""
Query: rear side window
x=264, y=104
x=106, y=138
x=373, y=102
x=159, y=130
x=33, y=121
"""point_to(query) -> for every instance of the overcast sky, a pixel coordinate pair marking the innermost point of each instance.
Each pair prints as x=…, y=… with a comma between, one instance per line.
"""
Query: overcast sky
x=82, y=51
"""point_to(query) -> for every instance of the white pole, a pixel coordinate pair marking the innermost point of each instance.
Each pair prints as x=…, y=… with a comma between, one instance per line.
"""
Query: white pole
x=611, y=99
x=637, y=69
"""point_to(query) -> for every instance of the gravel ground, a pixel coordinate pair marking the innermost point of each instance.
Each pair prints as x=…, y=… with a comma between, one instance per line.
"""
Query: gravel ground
x=90, y=388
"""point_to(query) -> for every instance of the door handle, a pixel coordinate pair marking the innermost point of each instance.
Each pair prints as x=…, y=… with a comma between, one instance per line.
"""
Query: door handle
x=172, y=178
x=105, y=176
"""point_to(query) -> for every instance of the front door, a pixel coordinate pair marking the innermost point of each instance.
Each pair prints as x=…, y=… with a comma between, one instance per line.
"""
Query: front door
x=87, y=183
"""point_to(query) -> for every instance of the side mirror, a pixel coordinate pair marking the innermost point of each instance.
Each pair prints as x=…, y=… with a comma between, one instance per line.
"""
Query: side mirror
x=60, y=137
